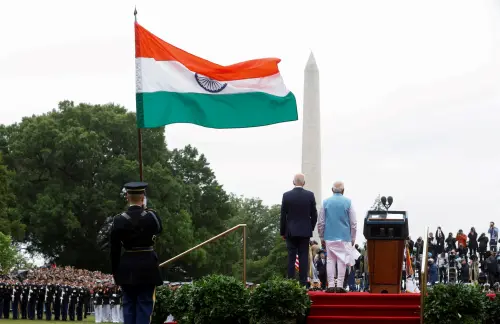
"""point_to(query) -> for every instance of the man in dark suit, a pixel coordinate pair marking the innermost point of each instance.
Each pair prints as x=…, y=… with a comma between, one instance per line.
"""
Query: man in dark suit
x=321, y=267
x=298, y=219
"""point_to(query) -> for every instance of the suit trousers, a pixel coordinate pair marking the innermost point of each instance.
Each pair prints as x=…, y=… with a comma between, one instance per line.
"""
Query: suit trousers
x=138, y=303
x=298, y=246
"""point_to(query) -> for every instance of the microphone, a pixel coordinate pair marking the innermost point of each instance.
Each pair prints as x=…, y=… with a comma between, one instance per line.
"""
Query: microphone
x=389, y=201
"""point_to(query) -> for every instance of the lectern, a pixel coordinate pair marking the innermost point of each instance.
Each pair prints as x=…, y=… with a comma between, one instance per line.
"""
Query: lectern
x=385, y=232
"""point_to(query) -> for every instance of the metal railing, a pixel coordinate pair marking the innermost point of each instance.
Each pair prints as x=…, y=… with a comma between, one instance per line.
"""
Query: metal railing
x=423, y=275
x=244, y=226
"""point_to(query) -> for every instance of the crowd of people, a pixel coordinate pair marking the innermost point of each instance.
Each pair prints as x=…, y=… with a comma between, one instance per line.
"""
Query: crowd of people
x=467, y=258
x=60, y=293
x=356, y=271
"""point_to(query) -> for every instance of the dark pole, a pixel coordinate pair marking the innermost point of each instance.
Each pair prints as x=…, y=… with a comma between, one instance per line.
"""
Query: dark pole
x=139, y=139
x=139, y=132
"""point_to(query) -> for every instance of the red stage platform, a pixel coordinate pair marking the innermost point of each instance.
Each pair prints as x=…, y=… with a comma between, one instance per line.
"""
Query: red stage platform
x=365, y=308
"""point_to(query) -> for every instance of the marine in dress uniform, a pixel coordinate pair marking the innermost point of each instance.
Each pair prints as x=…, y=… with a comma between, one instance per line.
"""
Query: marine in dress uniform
x=2, y=288
x=136, y=271
x=32, y=298
x=18, y=291
x=80, y=303
x=7, y=298
x=66, y=294
x=57, y=302
x=40, y=301
x=115, y=306
x=24, y=301
x=86, y=302
x=50, y=292
x=73, y=299
x=106, y=307
x=98, y=304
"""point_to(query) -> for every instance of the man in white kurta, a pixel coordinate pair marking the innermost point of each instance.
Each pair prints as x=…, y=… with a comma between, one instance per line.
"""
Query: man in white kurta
x=337, y=228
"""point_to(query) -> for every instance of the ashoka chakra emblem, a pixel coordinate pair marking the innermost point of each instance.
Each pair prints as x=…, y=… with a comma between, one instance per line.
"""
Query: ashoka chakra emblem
x=208, y=84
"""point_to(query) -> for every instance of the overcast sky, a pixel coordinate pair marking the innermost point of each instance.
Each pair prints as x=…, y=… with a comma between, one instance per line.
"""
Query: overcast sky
x=410, y=90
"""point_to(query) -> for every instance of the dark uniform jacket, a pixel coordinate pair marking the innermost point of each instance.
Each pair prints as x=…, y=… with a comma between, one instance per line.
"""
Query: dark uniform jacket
x=135, y=230
x=98, y=293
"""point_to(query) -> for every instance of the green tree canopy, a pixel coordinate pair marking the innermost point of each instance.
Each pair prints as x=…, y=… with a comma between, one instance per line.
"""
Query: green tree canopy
x=62, y=175
x=8, y=254
x=10, y=219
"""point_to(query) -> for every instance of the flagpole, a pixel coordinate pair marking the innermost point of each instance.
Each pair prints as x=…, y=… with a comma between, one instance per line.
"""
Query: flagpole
x=139, y=131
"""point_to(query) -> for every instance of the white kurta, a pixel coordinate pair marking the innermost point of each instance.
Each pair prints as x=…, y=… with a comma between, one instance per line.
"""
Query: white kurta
x=337, y=251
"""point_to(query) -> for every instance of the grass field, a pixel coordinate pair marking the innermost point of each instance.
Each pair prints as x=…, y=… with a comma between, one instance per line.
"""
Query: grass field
x=89, y=319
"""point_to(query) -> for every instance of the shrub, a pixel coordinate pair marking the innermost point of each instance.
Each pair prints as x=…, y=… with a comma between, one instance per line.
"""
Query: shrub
x=219, y=299
x=450, y=304
x=162, y=308
x=279, y=301
x=182, y=305
x=492, y=312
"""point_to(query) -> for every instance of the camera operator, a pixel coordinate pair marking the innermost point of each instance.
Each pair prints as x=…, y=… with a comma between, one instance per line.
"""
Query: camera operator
x=442, y=263
x=493, y=232
x=492, y=268
x=483, y=246
x=451, y=259
x=451, y=243
x=464, y=272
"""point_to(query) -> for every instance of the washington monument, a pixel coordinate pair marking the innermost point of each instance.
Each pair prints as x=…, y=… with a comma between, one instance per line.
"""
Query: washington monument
x=311, y=133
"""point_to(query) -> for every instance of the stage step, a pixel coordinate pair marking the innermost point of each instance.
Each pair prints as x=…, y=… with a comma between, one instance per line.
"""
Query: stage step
x=361, y=308
x=362, y=320
x=354, y=298
x=365, y=310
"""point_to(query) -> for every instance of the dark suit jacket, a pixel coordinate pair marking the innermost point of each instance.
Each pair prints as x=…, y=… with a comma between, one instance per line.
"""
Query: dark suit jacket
x=321, y=267
x=298, y=213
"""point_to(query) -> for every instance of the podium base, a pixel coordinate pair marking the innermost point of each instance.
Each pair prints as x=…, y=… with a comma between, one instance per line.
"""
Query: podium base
x=385, y=265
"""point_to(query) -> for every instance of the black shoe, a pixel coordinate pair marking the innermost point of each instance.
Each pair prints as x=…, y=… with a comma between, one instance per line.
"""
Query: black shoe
x=330, y=290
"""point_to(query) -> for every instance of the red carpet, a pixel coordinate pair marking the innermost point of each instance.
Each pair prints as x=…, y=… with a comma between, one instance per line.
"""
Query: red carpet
x=353, y=308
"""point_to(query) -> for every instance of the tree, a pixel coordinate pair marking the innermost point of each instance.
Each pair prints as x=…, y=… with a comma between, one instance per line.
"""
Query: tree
x=266, y=251
x=10, y=220
x=210, y=209
x=8, y=254
x=63, y=173
x=69, y=166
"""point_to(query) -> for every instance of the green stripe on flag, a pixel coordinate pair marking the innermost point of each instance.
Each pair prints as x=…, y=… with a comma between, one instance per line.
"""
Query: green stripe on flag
x=241, y=110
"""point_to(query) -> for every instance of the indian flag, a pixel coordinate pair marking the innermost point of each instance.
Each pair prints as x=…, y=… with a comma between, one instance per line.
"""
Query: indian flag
x=173, y=86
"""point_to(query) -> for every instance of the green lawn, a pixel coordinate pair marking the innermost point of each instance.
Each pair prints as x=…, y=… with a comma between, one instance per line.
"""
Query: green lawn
x=89, y=319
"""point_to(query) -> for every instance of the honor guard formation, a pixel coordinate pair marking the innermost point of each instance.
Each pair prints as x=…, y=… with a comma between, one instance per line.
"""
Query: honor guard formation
x=60, y=294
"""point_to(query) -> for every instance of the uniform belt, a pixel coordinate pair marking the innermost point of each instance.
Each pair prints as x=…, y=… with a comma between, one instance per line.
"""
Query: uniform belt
x=140, y=249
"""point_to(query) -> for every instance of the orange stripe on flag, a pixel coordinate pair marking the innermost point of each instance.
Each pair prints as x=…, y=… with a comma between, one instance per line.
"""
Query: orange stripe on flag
x=148, y=45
